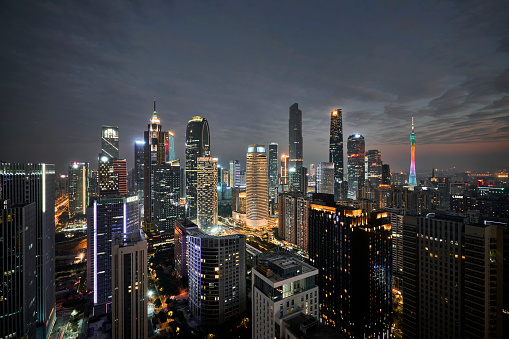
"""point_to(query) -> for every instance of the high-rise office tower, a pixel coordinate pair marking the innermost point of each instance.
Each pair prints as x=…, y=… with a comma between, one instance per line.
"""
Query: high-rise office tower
x=197, y=145
x=120, y=168
x=452, y=276
x=217, y=276
x=282, y=285
x=35, y=183
x=283, y=177
x=169, y=143
x=295, y=143
x=373, y=167
x=107, y=178
x=336, y=152
x=325, y=178
x=154, y=154
x=207, y=192
x=234, y=173
x=412, y=180
x=105, y=218
x=110, y=142
x=386, y=174
x=273, y=159
x=130, y=286
x=353, y=251
x=167, y=192
x=17, y=270
x=356, y=153
x=257, y=187
x=139, y=159
x=78, y=188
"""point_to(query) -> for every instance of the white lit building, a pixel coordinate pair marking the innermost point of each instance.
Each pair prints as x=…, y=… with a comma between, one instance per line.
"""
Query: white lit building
x=257, y=187
x=281, y=285
x=207, y=192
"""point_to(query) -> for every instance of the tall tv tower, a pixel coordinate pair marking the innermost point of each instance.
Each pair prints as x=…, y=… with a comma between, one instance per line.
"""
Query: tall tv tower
x=412, y=181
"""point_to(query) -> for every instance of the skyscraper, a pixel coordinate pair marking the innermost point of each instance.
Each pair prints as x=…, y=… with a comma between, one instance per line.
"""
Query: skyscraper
x=105, y=218
x=412, y=181
x=167, y=193
x=295, y=143
x=336, y=151
x=386, y=174
x=234, y=173
x=130, y=285
x=452, y=276
x=207, y=192
x=216, y=266
x=293, y=219
x=273, y=159
x=197, y=145
x=154, y=154
x=169, y=143
x=373, y=160
x=325, y=178
x=356, y=153
x=282, y=285
x=17, y=270
x=353, y=251
x=139, y=159
x=110, y=141
x=257, y=187
x=283, y=177
x=120, y=169
x=78, y=188
x=108, y=180
x=34, y=183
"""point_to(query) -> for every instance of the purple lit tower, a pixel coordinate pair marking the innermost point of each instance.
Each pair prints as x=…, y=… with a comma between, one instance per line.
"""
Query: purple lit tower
x=412, y=181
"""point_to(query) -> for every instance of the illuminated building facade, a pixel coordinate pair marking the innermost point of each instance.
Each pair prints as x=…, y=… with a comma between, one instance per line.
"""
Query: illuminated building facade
x=217, y=277
x=373, y=167
x=105, y=218
x=234, y=173
x=356, y=154
x=412, y=181
x=22, y=184
x=167, y=193
x=353, y=251
x=154, y=154
x=169, y=144
x=336, y=152
x=78, y=188
x=283, y=177
x=107, y=179
x=295, y=146
x=17, y=270
x=130, y=286
x=452, y=275
x=183, y=228
x=293, y=219
x=197, y=145
x=207, y=192
x=110, y=142
x=282, y=285
x=273, y=170
x=325, y=174
x=139, y=172
x=120, y=169
x=257, y=187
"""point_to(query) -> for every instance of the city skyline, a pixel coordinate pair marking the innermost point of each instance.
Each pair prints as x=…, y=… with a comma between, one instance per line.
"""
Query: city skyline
x=68, y=69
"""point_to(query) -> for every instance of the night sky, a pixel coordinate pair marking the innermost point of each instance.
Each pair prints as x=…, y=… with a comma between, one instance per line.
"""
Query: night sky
x=68, y=67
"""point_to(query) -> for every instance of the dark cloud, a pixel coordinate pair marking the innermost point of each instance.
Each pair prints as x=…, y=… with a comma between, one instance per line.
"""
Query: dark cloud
x=69, y=67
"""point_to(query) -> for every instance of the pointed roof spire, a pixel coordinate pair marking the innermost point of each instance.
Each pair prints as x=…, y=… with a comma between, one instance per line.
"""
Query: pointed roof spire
x=412, y=124
x=154, y=115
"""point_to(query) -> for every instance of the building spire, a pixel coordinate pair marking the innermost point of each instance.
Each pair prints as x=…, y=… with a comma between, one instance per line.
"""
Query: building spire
x=412, y=121
x=154, y=115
